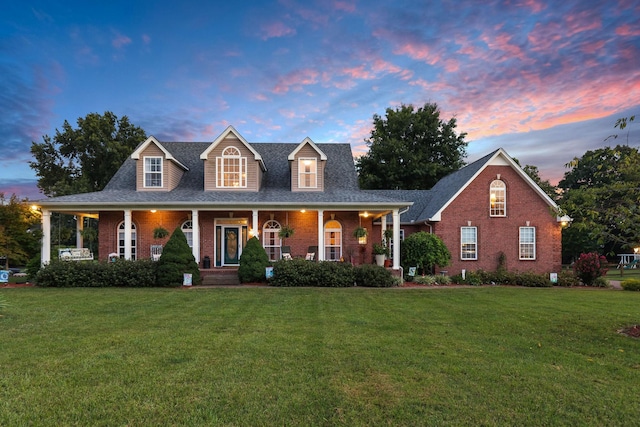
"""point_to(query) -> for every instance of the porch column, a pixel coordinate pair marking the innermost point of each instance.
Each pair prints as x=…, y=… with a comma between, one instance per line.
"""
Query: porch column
x=254, y=224
x=195, y=224
x=79, y=229
x=320, y=254
x=383, y=226
x=396, y=239
x=45, y=254
x=127, y=234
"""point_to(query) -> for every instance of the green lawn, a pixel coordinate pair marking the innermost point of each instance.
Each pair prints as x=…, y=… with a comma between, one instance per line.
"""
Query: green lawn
x=307, y=357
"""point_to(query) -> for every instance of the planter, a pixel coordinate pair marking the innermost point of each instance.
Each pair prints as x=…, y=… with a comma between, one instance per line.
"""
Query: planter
x=387, y=263
x=380, y=260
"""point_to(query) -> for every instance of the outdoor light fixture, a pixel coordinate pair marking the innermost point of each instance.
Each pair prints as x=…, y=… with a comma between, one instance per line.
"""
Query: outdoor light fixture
x=303, y=210
x=153, y=211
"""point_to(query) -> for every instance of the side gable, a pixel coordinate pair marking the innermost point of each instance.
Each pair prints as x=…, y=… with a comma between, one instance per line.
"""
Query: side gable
x=307, y=164
x=231, y=163
x=450, y=187
x=167, y=169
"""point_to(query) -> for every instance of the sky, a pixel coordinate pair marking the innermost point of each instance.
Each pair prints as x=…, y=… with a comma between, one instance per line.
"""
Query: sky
x=545, y=80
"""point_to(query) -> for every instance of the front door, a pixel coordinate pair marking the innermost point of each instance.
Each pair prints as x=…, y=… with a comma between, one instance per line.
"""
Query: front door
x=231, y=245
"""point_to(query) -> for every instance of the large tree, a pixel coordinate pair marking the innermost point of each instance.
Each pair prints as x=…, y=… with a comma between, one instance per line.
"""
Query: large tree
x=411, y=149
x=601, y=193
x=19, y=231
x=84, y=159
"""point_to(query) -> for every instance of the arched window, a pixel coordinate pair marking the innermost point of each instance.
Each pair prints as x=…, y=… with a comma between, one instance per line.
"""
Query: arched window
x=332, y=240
x=121, y=240
x=187, y=229
x=232, y=169
x=271, y=240
x=498, y=198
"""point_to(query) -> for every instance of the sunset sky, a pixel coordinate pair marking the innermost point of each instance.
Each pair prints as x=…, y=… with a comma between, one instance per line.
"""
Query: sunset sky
x=545, y=80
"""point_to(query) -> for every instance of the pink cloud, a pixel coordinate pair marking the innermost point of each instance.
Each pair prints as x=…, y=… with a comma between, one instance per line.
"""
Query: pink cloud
x=344, y=6
x=276, y=29
x=296, y=80
x=627, y=30
x=120, y=41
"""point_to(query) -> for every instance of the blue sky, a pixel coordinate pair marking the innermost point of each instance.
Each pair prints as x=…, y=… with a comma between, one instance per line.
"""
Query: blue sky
x=546, y=80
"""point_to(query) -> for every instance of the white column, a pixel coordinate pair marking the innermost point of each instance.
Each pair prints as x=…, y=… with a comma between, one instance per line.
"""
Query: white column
x=79, y=229
x=383, y=227
x=45, y=254
x=396, y=239
x=320, y=255
x=127, y=234
x=254, y=224
x=195, y=223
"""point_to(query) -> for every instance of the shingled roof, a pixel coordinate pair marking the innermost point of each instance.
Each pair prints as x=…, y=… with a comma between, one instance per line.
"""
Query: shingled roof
x=341, y=183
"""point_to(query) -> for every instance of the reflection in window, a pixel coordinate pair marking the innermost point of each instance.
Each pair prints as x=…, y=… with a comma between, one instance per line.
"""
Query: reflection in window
x=497, y=198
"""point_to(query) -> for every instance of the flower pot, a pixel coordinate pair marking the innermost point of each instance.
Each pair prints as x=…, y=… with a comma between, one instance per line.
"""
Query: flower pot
x=380, y=260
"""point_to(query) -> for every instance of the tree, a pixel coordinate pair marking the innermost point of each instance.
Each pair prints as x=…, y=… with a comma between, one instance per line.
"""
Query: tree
x=601, y=193
x=411, y=149
x=84, y=159
x=19, y=232
x=253, y=262
x=425, y=251
x=177, y=259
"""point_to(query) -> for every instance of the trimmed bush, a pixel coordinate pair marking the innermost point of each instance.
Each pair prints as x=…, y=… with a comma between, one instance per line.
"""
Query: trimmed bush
x=631, y=285
x=121, y=273
x=335, y=274
x=253, y=262
x=299, y=272
x=480, y=277
x=374, y=276
x=424, y=251
x=567, y=278
x=177, y=259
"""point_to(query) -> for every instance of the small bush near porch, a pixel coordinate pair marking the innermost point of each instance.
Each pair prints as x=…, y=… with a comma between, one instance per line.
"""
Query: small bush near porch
x=302, y=357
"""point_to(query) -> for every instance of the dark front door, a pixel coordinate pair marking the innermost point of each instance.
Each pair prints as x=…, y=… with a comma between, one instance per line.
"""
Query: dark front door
x=231, y=246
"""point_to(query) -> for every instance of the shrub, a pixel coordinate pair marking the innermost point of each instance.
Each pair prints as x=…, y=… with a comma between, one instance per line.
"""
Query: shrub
x=567, y=278
x=424, y=250
x=480, y=277
x=122, y=273
x=177, y=259
x=253, y=262
x=294, y=272
x=631, y=285
x=335, y=274
x=371, y=275
x=589, y=267
x=533, y=280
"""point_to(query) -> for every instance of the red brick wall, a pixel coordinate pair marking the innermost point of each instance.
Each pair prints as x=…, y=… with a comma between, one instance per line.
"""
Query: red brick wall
x=305, y=225
x=501, y=234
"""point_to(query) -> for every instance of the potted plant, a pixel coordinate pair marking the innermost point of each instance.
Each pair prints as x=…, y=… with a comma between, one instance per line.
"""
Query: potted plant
x=360, y=233
x=380, y=252
x=160, y=232
x=285, y=232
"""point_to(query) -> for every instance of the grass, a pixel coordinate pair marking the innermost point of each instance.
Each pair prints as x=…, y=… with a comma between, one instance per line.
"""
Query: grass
x=308, y=357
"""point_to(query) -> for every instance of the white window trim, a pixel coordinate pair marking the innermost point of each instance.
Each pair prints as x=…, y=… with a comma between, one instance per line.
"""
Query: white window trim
x=161, y=172
x=220, y=172
x=521, y=244
x=475, y=244
x=271, y=229
x=326, y=240
x=502, y=189
x=301, y=172
x=134, y=241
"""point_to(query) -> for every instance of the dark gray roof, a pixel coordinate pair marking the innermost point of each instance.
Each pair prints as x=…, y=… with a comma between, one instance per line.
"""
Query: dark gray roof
x=426, y=203
x=341, y=182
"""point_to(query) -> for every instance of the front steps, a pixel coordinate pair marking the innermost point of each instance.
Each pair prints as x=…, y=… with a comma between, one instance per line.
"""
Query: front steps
x=220, y=276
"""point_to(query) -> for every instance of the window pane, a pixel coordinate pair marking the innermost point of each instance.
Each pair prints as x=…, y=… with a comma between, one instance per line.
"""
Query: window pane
x=468, y=243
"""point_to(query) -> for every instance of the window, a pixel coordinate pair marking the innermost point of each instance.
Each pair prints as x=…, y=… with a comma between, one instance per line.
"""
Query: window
x=332, y=241
x=232, y=169
x=468, y=243
x=187, y=229
x=307, y=173
x=527, y=243
x=153, y=172
x=271, y=242
x=121, y=240
x=497, y=198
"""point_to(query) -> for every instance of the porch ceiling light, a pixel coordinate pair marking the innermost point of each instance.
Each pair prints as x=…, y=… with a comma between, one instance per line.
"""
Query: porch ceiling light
x=303, y=210
x=153, y=211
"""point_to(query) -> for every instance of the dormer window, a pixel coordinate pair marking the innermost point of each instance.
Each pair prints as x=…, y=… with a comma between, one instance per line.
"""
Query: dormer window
x=307, y=173
x=153, y=172
x=232, y=169
x=498, y=198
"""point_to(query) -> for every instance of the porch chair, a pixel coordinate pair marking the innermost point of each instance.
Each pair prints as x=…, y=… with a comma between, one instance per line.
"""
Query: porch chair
x=156, y=252
x=311, y=253
x=286, y=252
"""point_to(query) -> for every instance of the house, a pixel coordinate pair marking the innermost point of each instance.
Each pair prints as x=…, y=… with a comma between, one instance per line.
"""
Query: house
x=221, y=193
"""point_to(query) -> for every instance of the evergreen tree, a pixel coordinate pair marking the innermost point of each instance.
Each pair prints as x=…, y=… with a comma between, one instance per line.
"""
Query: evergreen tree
x=253, y=262
x=177, y=259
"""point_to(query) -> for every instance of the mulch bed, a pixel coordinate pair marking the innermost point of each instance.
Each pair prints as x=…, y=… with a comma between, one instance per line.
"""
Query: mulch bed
x=16, y=285
x=631, y=331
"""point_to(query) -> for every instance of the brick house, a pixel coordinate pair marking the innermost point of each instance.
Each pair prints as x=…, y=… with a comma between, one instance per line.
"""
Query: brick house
x=223, y=192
